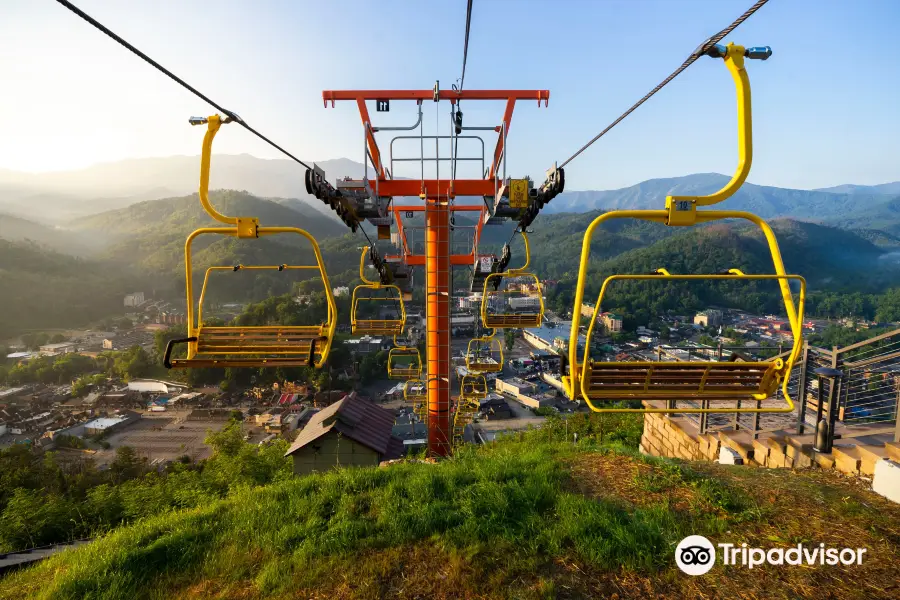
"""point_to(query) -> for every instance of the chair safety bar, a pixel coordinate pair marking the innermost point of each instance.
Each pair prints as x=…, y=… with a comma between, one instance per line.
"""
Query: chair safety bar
x=376, y=326
x=491, y=318
x=710, y=380
x=484, y=355
x=237, y=346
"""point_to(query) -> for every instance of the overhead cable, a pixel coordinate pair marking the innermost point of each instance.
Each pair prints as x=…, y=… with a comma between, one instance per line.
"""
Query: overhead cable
x=700, y=51
x=177, y=79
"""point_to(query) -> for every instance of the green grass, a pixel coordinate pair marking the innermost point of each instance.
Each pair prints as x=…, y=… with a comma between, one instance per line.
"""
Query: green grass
x=506, y=520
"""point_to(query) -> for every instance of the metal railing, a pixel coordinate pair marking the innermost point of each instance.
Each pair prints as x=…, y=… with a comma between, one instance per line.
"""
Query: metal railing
x=865, y=398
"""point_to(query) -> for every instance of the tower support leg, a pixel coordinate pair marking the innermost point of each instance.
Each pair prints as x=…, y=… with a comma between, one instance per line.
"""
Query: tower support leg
x=437, y=302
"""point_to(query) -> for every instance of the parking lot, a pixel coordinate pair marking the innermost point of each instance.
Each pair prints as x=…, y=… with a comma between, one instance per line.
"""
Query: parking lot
x=164, y=438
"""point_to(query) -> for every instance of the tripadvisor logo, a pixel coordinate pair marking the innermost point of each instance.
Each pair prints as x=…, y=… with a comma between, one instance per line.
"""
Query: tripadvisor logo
x=696, y=555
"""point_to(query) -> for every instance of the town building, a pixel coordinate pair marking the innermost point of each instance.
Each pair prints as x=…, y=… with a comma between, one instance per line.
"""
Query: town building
x=525, y=303
x=471, y=302
x=135, y=299
x=587, y=310
x=515, y=386
x=341, y=291
x=60, y=348
x=105, y=425
x=708, y=318
x=352, y=431
x=367, y=344
x=611, y=321
x=545, y=337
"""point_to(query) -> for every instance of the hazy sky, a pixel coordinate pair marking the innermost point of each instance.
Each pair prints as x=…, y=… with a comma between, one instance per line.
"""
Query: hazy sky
x=825, y=105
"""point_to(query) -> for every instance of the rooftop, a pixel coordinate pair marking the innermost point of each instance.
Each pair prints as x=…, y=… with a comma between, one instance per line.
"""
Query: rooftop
x=57, y=346
x=104, y=422
x=359, y=420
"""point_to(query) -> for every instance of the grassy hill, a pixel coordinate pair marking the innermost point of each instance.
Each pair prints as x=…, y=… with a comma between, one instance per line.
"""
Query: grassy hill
x=528, y=518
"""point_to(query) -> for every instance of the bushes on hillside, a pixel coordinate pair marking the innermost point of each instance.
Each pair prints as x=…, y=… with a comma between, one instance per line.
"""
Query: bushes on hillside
x=44, y=501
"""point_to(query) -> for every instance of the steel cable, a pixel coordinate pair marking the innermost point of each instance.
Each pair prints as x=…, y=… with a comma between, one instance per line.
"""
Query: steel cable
x=701, y=49
x=177, y=79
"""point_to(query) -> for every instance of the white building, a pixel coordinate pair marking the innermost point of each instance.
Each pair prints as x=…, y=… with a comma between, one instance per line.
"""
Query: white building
x=341, y=291
x=135, y=299
x=472, y=302
x=60, y=348
x=525, y=303
x=102, y=424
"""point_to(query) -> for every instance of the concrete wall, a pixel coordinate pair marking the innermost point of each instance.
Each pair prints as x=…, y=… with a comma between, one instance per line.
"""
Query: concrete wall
x=329, y=451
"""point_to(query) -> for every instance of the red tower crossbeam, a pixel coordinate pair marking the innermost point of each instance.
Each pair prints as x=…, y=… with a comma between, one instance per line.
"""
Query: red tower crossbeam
x=437, y=260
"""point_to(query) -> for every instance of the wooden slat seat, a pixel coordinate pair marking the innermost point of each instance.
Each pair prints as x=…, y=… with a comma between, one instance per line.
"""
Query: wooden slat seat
x=266, y=346
x=673, y=380
x=378, y=327
x=494, y=321
x=405, y=372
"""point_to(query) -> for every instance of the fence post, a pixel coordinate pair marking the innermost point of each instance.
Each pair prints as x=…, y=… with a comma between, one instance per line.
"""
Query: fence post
x=897, y=419
x=825, y=428
x=836, y=364
x=802, y=386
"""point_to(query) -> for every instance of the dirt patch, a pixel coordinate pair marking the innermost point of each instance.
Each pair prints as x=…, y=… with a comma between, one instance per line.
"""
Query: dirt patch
x=618, y=477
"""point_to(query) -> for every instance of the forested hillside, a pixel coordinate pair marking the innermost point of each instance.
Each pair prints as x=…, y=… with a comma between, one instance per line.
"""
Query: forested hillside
x=40, y=288
x=830, y=259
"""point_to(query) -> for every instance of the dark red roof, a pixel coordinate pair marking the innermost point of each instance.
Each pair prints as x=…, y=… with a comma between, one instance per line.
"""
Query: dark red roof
x=359, y=420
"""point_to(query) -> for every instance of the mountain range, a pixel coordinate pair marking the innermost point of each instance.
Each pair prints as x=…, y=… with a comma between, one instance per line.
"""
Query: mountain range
x=59, y=197
x=845, y=238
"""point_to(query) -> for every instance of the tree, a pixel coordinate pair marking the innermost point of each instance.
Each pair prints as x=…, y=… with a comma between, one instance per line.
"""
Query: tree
x=509, y=338
x=127, y=464
x=134, y=362
x=57, y=338
x=706, y=340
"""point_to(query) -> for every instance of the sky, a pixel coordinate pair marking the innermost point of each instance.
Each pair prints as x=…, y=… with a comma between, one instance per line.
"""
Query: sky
x=824, y=105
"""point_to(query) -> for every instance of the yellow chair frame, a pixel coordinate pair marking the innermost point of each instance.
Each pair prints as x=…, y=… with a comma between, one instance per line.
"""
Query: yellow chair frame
x=462, y=416
x=475, y=353
x=517, y=320
x=413, y=370
x=473, y=387
x=418, y=384
x=646, y=380
x=236, y=346
x=375, y=326
x=681, y=211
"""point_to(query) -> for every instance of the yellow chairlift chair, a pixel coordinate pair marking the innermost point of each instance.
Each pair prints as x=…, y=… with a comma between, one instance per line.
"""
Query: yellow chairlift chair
x=465, y=412
x=712, y=383
x=706, y=382
x=473, y=387
x=376, y=296
x=404, y=362
x=239, y=346
x=485, y=355
x=517, y=300
x=416, y=391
